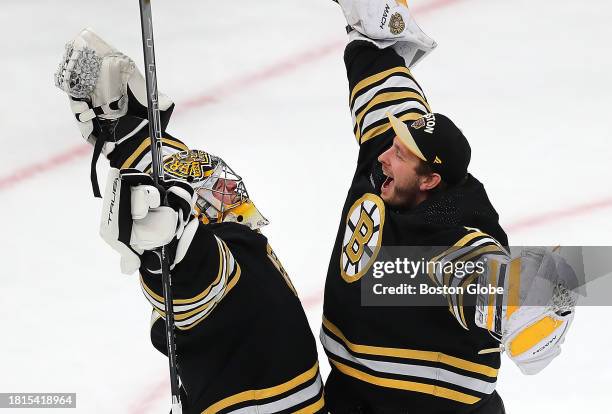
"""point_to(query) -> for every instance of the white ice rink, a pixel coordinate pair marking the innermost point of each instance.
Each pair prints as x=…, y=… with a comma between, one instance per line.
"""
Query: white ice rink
x=262, y=84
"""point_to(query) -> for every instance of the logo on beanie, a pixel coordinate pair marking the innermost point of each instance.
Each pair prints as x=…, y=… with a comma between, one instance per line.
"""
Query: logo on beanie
x=427, y=121
x=419, y=123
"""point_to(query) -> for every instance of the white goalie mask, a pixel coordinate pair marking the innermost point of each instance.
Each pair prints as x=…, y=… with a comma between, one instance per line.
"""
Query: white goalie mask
x=221, y=193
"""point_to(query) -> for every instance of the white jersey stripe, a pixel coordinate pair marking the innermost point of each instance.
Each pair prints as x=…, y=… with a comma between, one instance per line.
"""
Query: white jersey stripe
x=431, y=373
x=284, y=403
x=392, y=82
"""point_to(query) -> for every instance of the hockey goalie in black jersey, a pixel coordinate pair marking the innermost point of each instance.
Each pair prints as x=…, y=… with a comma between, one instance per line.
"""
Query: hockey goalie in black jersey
x=411, y=187
x=243, y=341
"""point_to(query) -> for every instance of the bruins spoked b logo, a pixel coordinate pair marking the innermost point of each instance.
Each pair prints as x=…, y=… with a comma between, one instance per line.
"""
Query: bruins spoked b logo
x=362, y=237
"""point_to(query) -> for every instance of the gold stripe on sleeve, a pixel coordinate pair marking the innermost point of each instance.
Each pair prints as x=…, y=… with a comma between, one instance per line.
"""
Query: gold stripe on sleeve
x=145, y=144
x=435, y=390
x=478, y=252
x=412, y=354
x=375, y=78
x=462, y=242
x=230, y=286
x=263, y=393
x=312, y=408
x=387, y=97
x=464, y=285
x=198, y=296
x=374, y=132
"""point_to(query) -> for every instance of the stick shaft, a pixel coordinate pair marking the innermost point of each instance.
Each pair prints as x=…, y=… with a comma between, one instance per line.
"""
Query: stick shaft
x=158, y=175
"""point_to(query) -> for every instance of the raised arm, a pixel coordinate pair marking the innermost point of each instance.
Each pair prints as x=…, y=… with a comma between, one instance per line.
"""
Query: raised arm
x=107, y=96
x=384, y=43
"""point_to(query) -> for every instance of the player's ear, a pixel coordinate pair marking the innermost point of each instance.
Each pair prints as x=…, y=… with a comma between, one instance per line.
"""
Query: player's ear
x=429, y=181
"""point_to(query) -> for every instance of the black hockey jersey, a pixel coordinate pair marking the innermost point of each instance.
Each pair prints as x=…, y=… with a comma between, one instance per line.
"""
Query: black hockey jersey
x=402, y=359
x=243, y=340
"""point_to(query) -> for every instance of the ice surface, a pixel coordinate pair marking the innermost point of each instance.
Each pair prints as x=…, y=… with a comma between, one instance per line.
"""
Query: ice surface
x=262, y=84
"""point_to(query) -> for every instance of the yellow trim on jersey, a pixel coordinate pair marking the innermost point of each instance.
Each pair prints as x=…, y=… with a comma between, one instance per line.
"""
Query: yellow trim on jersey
x=146, y=143
x=201, y=295
x=410, y=116
x=434, y=390
x=263, y=393
x=464, y=286
x=386, y=97
x=480, y=251
x=312, y=408
x=230, y=286
x=224, y=256
x=460, y=243
x=279, y=266
x=377, y=77
x=412, y=354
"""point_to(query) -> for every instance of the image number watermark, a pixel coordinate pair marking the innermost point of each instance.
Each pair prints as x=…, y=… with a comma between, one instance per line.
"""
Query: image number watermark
x=38, y=400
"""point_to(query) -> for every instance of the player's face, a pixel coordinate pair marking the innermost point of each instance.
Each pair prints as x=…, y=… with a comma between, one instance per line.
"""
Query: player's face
x=401, y=188
x=225, y=191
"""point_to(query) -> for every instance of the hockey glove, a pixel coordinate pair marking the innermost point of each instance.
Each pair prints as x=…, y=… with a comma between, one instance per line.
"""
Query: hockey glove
x=134, y=220
x=535, y=310
x=387, y=23
x=103, y=85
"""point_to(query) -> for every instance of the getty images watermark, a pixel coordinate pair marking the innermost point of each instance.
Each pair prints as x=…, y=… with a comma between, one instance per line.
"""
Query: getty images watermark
x=428, y=275
x=409, y=268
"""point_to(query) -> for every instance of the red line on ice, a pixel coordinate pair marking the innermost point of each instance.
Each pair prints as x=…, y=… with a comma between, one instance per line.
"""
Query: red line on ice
x=32, y=170
x=556, y=215
x=214, y=95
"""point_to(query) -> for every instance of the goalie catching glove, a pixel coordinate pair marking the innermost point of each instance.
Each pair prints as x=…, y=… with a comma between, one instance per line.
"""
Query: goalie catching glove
x=135, y=219
x=387, y=23
x=536, y=308
x=103, y=85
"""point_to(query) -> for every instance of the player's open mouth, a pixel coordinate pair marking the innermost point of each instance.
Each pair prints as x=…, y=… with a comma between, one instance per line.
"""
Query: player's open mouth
x=387, y=183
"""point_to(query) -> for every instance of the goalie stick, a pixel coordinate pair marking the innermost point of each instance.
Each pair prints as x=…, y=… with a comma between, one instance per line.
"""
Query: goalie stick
x=146, y=22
